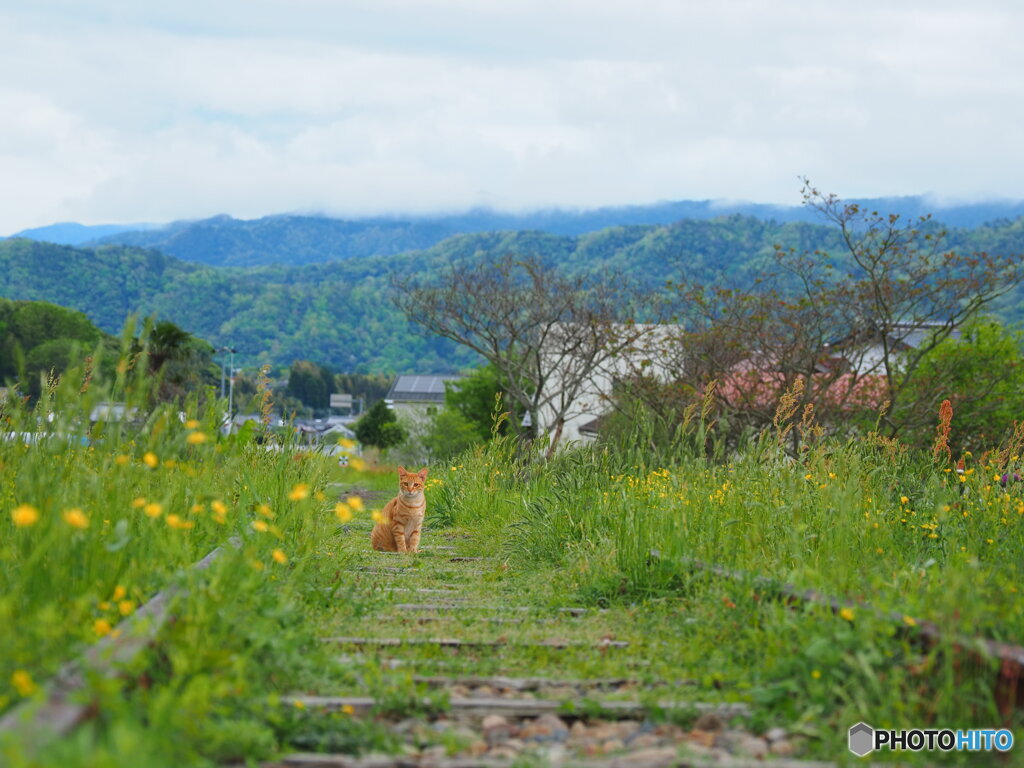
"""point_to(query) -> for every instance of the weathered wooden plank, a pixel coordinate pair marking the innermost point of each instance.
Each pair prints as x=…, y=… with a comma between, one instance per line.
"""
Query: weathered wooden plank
x=452, y=642
x=526, y=707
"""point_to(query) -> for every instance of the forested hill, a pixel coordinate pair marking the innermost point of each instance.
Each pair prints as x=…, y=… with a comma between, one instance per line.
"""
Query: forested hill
x=338, y=312
x=296, y=240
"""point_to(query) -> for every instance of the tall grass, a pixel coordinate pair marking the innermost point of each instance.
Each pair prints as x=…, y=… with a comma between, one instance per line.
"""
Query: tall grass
x=96, y=517
x=897, y=536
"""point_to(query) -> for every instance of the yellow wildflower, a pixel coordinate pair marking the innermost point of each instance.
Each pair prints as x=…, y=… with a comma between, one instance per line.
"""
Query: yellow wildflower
x=195, y=438
x=260, y=526
x=909, y=621
x=192, y=424
x=24, y=515
x=122, y=459
x=816, y=674
x=23, y=683
x=101, y=627
x=347, y=444
x=808, y=476
x=264, y=510
x=198, y=509
x=343, y=512
x=125, y=607
x=299, y=704
x=104, y=606
x=153, y=509
x=119, y=593
x=150, y=460
x=355, y=502
x=846, y=613
x=299, y=492
x=357, y=464
x=219, y=507
x=904, y=500
x=279, y=556
x=76, y=518
x=320, y=496
x=174, y=521
x=348, y=709
x=139, y=503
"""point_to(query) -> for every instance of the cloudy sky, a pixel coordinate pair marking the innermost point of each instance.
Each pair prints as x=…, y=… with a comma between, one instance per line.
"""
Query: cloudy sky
x=131, y=110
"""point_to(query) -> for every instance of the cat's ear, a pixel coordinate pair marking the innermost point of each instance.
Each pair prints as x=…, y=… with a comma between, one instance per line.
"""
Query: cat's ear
x=402, y=471
x=423, y=473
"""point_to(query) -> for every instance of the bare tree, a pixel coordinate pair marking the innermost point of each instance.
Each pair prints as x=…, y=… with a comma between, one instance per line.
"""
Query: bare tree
x=854, y=325
x=545, y=332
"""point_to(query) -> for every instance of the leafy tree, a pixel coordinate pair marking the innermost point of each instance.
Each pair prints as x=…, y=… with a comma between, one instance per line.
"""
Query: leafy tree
x=474, y=397
x=379, y=427
x=450, y=434
x=310, y=383
x=981, y=373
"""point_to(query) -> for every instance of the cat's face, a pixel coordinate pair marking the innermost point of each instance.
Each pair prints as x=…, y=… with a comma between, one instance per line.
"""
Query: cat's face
x=411, y=483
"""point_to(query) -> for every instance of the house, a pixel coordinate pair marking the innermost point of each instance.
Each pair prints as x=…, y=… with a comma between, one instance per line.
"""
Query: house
x=113, y=412
x=418, y=396
x=583, y=392
x=864, y=351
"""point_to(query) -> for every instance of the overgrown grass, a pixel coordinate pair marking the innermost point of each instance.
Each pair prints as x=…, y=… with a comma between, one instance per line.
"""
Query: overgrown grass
x=96, y=518
x=900, y=538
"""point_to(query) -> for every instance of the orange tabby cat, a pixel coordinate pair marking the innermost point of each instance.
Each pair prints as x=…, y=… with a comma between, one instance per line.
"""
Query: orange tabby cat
x=399, y=530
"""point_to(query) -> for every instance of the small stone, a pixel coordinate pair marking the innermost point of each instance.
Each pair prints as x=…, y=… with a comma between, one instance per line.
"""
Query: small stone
x=782, y=748
x=644, y=741
x=646, y=758
x=477, y=748
x=552, y=723
x=494, y=721
x=436, y=752
x=603, y=731
x=458, y=691
x=578, y=730
x=739, y=743
x=709, y=721
x=591, y=748
x=612, y=745
x=627, y=728
x=503, y=753
x=405, y=726
x=775, y=734
x=703, y=738
x=483, y=692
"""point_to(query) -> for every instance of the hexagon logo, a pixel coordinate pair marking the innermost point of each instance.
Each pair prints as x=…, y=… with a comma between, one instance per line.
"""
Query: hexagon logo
x=861, y=739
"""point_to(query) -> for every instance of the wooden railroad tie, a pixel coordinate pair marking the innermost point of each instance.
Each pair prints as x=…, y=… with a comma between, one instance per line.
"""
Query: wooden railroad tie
x=450, y=605
x=452, y=642
x=536, y=683
x=623, y=710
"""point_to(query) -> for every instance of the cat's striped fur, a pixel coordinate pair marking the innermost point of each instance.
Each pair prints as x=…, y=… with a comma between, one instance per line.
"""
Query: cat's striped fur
x=399, y=530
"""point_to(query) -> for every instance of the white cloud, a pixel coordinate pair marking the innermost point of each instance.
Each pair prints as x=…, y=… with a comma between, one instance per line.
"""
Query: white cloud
x=121, y=111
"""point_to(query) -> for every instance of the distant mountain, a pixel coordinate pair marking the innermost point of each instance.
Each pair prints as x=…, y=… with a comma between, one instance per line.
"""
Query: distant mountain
x=308, y=239
x=338, y=312
x=71, y=233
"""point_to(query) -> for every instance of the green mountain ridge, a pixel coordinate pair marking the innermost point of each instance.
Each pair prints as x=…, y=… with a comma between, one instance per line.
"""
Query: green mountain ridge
x=338, y=312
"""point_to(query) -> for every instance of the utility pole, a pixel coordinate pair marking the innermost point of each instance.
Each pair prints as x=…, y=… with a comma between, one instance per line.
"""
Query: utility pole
x=231, y=392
